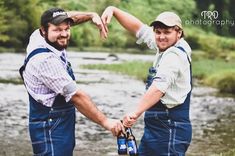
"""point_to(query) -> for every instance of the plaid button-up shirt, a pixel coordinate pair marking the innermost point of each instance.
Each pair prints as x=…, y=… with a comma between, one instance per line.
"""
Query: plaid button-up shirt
x=45, y=75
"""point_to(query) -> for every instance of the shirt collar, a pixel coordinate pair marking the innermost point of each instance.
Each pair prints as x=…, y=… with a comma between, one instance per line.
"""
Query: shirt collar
x=37, y=41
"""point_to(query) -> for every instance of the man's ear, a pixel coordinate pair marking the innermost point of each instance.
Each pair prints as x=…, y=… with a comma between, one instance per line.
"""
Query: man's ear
x=42, y=30
x=179, y=33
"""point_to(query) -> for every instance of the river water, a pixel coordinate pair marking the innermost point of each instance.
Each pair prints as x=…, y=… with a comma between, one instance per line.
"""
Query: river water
x=212, y=115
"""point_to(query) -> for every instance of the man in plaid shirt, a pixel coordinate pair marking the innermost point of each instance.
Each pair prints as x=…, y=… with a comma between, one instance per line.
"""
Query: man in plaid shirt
x=50, y=83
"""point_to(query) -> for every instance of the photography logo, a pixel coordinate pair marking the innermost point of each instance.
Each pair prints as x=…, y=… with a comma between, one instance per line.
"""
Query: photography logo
x=211, y=15
x=210, y=18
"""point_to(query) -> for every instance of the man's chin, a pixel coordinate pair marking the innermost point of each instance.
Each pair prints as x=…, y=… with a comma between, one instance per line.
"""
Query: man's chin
x=61, y=47
x=58, y=46
x=162, y=48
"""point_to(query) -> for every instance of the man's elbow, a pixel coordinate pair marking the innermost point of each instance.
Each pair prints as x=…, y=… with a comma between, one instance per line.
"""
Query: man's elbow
x=79, y=97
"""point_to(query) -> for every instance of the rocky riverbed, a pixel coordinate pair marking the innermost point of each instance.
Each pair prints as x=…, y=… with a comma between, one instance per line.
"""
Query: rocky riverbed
x=212, y=114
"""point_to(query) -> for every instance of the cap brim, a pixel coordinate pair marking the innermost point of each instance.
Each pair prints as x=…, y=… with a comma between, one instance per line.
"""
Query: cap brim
x=165, y=23
x=58, y=20
x=155, y=23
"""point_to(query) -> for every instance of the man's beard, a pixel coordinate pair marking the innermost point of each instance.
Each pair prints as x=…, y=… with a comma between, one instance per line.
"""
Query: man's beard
x=55, y=44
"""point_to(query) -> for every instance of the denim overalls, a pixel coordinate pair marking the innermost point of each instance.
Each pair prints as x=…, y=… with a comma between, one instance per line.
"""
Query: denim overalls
x=168, y=131
x=52, y=129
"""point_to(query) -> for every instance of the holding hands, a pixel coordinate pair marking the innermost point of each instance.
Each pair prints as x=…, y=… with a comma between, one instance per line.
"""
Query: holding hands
x=113, y=125
x=130, y=119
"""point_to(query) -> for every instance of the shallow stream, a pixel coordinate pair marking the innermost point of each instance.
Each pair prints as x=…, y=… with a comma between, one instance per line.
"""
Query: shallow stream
x=212, y=115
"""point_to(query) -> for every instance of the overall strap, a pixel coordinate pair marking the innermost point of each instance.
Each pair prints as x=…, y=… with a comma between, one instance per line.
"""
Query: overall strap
x=182, y=49
x=33, y=53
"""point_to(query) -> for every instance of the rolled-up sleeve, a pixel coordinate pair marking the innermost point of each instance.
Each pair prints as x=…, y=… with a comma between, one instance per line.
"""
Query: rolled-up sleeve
x=167, y=71
x=69, y=90
x=146, y=35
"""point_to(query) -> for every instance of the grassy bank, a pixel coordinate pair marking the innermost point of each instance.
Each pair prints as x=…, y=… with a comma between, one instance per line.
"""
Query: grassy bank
x=16, y=81
x=228, y=153
x=111, y=50
x=137, y=69
x=216, y=73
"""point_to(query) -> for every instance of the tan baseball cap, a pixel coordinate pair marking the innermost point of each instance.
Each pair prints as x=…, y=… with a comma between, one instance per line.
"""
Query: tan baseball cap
x=169, y=19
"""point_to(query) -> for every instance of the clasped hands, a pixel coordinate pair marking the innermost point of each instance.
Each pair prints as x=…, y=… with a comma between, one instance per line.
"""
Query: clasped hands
x=116, y=126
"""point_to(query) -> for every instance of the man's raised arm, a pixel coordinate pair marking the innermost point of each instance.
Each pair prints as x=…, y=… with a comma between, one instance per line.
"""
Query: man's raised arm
x=81, y=17
x=128, y=21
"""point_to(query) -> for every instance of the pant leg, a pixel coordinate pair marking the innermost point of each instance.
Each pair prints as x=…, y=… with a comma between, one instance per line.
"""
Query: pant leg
x=56, y=136
x=162, y=137
x=181, y=137
x=38, y=135
x=62, y=134
x=155, y=141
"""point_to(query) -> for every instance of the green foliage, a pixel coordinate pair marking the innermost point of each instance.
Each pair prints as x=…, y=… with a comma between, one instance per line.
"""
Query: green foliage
x=146, y=11
x=118, y=37
x=216, y=73
x=12, y=81
x=227, y=83
x=225, y=10
x=223, y=80
x=18, y=19
x=214, y=45
x=230, y=152
x=85, y=35
x=205, y=67
x=137, y=69
x=183, y=8
x=3, y=23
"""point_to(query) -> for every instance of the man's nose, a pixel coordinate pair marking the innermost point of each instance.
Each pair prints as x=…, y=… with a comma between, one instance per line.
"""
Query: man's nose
x=64, y=33
x=162, y=36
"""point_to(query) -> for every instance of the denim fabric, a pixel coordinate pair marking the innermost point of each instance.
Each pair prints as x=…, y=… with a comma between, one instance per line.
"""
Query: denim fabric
x=167, y=132
x=163, y=136
x=52, y=129
x=54, y=136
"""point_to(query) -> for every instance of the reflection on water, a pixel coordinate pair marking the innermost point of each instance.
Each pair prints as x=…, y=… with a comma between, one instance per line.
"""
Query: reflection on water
x=212, y=117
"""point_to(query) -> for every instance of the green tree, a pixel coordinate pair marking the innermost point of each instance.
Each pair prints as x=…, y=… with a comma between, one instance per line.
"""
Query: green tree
x=225, y=12
x=4, y=26
x=20, y=18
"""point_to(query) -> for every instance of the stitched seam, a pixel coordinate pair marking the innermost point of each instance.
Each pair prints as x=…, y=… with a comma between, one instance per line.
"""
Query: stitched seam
x=45, y=140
